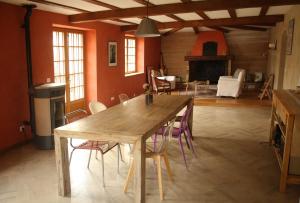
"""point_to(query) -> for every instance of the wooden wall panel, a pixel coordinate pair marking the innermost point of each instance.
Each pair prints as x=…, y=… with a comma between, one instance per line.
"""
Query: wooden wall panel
x=174, y=48
x=248, y=47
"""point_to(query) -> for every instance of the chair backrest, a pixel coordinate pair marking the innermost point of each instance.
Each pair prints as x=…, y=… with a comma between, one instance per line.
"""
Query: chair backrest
x=185, y=116
x=241, y=76
x=165, y=138
x=96, y=107
x=123, y=97
x=75, y=115
x=154, y=74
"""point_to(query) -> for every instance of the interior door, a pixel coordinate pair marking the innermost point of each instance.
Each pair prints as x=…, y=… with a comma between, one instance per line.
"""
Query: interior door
x=68, y=55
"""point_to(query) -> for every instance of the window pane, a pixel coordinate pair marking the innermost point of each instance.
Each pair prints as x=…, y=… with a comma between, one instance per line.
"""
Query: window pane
x=130, y=52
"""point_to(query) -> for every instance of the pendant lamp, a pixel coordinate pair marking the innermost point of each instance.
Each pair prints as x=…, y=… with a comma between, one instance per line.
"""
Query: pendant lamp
x=147, y=27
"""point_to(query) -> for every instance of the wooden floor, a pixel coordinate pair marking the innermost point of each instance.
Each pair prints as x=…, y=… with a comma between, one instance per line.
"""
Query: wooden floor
x=247, y=99
x=233, y=164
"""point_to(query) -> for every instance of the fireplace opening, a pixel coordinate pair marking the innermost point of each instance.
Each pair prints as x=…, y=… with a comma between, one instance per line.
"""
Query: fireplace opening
x=207, y=70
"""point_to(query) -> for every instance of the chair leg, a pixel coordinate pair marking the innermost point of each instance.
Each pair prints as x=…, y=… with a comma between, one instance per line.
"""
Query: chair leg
x=190, y=140
x=129, y=176
x=71, y=155
x=187, y=143
x=118, y=152
x=88, y=166
x=182, y=150
x=158, y=165
x=167, y=163
x=102, y=162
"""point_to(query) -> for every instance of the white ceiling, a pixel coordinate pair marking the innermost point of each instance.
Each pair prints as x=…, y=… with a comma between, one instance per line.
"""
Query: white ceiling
x=162, y=18
x=121, y=3
x=189, y=16
x=274, y=10
x=245, y=12
x=217, y=14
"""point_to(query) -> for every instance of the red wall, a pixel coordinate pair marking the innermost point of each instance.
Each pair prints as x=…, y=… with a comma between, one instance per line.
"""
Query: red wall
x=103, y=82
x=216, y=36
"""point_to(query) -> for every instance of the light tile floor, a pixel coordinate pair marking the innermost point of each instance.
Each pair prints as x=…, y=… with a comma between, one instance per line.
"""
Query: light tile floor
x=234, y=164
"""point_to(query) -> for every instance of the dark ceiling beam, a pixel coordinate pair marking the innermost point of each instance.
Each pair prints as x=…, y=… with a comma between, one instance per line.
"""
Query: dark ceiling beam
x=202, y=15
x=264, y=10
x=232, y=13
x=257, y=20
x=172, y=31
x=150, y=4
x=166, y=9
x=196, y=30
x=221, y=29
x=248, y=27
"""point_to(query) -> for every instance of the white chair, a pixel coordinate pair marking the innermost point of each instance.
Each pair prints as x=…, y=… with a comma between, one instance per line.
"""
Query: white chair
x=102, y=146
x=96, y=107
x=231, y=86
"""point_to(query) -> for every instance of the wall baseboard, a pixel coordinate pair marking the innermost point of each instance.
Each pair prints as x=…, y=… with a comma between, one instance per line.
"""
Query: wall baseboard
x=15, y=146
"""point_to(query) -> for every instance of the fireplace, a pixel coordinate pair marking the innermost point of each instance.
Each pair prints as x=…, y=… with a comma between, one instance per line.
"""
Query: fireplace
x=209, y=58
x=206, y=70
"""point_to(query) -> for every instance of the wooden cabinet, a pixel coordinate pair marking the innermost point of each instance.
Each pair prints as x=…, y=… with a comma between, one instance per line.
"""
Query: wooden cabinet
x=285, y=135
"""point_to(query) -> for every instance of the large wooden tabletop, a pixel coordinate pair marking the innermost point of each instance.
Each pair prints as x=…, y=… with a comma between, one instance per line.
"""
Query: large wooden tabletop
x=130, y=122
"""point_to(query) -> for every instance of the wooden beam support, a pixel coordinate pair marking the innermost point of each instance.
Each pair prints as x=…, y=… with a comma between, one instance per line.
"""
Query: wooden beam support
x=172, y=31
x=202, y=15
x=264, y=10
x=232, y=13
x=196, y=30
x=150, y=4
x=257, y=20
x=247, y=27
x=166, y=9
x=220, y=29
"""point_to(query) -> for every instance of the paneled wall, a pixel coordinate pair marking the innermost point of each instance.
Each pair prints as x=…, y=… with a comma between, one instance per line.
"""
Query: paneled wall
x=174, y=48
x=248, y=47
x=286, y=68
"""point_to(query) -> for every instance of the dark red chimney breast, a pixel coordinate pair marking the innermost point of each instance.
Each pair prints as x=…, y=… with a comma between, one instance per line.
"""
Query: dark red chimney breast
x=210, y=36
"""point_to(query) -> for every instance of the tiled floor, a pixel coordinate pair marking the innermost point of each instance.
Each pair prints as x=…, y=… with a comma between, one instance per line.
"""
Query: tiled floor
x=234, y=164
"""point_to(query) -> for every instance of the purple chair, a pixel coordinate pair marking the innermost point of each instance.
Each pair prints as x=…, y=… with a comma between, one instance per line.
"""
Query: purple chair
x=182, y=129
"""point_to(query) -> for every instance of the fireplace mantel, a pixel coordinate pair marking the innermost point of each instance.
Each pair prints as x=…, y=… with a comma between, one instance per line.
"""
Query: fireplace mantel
x=207, y=58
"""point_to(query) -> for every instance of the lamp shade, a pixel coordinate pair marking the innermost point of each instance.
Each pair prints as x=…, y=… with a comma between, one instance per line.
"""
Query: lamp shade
x=147, y=28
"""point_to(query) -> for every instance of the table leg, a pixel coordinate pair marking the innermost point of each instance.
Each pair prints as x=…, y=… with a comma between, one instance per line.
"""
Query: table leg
x=62, y=164
x=140, y=171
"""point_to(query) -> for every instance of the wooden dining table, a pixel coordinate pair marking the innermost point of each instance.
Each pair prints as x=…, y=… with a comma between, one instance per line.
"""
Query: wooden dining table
x=131, y=122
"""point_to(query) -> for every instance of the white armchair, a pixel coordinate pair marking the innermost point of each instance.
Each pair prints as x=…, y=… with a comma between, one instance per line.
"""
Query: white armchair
x=231, y=86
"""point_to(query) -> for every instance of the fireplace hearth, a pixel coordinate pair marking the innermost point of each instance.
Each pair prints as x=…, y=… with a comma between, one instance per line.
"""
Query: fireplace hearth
x=209, y=58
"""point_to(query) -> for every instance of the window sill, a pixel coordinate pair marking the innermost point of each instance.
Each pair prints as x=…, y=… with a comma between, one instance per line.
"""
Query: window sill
x=133, y=74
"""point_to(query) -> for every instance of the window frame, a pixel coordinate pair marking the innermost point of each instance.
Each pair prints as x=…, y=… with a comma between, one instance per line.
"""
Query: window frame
x=126, y=55
x=77, y=103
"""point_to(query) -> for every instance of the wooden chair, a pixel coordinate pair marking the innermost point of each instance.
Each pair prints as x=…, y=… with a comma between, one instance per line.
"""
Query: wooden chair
x=156, y=153
x=266, y=90
x=159, y=85
x=123, y=97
